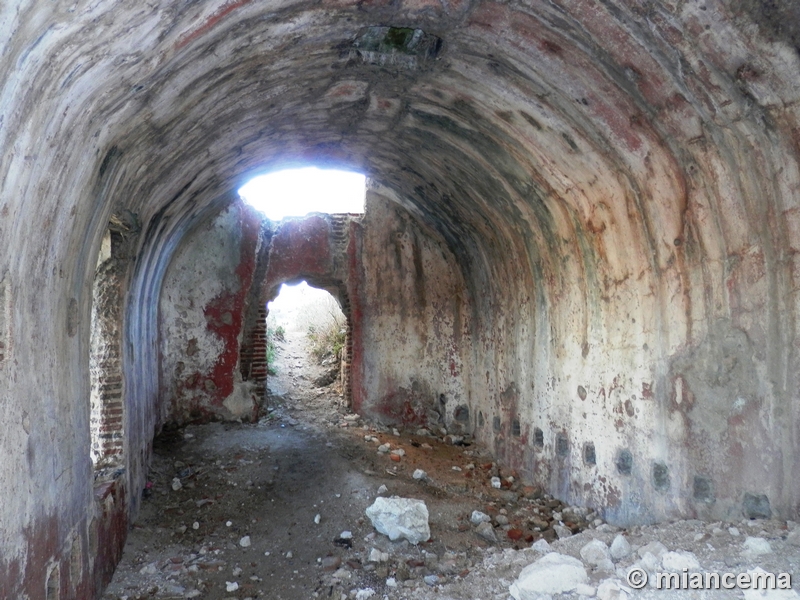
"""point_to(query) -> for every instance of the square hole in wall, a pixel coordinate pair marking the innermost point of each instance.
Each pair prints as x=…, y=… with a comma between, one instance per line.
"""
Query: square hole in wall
x=516, y=429
x=538, y=437
x=589, y=456
x=562, y=444
x=703, y=489
x=624, y=462
x=661, y=477
x=496, y=423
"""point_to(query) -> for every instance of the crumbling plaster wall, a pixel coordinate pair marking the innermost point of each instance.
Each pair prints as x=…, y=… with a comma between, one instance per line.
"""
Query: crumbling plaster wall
x=410, y=367
x=203, y=303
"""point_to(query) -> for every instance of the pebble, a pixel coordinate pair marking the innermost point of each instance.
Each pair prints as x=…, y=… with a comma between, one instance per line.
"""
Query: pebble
x=289, y=554
x=496, y=483
x=346, y=535
x=419, y=474
x=562, y=531
x=620, y=548
x=317, y=518
x=595, y=553
x=486, y=531
x=501, y=520
x=541, y=546
x=382, y=490
x=477, y=517
x=195, y=525
x=245, y=541
x=231, y=586
x=431, y=579
x=384, y=448
x=176, y=483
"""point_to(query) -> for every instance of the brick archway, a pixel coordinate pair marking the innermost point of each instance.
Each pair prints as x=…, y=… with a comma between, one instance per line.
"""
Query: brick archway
x=314, y=249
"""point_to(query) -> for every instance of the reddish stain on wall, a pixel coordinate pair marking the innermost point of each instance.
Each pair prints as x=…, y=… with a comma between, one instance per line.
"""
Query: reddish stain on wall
x=226, y=312
x=210, y=22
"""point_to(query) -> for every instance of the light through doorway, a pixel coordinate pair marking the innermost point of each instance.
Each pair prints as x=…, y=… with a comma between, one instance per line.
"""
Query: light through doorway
x=299, y=192
x=307, y=341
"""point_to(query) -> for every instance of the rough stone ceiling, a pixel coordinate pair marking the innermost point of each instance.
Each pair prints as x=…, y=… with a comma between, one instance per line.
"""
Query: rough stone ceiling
x=567, y=119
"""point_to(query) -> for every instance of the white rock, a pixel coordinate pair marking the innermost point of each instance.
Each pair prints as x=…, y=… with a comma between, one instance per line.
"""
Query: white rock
x=346, y=535
x=650, y=562
x=317, y=519
x=289, y=554
x=496, y=483
x=595, y=552
x=793, y=538
x=400, y=517
x=419, y=474
x=365, y=593
x=657, y=549
x=620, y=548
x=399, y=452
x=195, y=525
x=680, y=560
x=384, y=448
x=756, y=546
x=584, y=589
x=501, y=520
x=176, y=483
x=486, y=531
x=541, y=546
x=554, y=573
x=734, y=531
x=382, y=490
x=611, y=589
x=245, y=541
x=377, y=556
x=562, y=531
x=231, y=586
x=479, y=517
x=768, y=594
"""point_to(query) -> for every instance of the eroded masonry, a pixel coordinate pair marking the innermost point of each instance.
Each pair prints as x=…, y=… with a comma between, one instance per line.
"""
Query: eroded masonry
x=579, y=245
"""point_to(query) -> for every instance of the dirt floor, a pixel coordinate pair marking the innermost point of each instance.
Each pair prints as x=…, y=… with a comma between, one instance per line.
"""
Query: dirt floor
x=276, y=509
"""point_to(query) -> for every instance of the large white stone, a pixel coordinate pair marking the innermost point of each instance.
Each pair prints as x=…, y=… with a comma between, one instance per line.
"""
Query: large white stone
x=400, y=518
x=554, y=573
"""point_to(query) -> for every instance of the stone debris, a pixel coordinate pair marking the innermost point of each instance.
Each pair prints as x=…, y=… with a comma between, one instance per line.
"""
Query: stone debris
x=554, y=573
x=477, y=517
x=595, y=553
x=486, y=531
x=245, y=541
x=756, y=546
x=680, y=560
x=620, y=548
x=419, y=474
x=400, y=517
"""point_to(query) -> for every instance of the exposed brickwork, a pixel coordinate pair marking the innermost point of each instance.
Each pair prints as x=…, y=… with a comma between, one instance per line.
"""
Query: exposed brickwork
x=107, y=410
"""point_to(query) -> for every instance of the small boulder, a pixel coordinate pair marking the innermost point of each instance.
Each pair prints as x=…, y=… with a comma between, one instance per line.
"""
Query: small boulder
x=620, y=548
x=486, y=531
x=595, y=553
x=756, y=546
x=554, y=573
x=400, y=518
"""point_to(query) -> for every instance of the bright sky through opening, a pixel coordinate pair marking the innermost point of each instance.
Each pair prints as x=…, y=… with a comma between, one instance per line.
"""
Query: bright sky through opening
x=297, y=192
